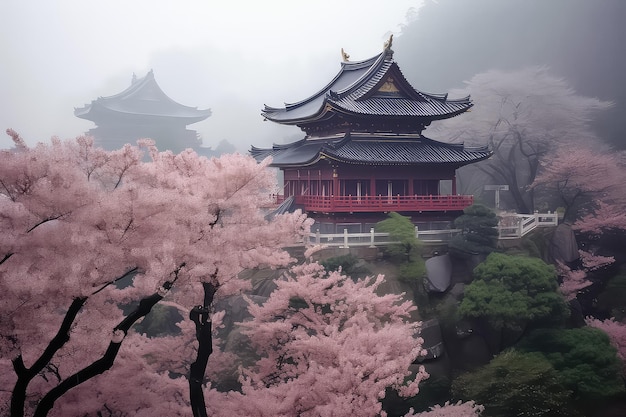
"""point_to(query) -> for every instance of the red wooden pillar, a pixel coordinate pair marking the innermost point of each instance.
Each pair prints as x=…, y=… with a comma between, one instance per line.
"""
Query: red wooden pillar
x=308, y=181
x=286, y=183
x=319, y=182
x=335, y=192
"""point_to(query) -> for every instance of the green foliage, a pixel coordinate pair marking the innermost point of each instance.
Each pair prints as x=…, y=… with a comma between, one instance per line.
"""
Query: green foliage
x=511, y=291
x=586, y=362
x=447, y=312
x=516, y=384
x=612, y=300
x=412, y=271
x=400, y=230
x=479, y=233
x=536, y=242
x=407, y=254
x=349, y=265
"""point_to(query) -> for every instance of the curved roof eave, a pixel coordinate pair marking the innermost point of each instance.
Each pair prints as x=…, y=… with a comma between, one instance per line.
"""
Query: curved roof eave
x=345, y=68
x=322, y=110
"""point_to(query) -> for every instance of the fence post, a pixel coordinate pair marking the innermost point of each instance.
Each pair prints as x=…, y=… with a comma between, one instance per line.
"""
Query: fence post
x=317, y=237
x=417, y=233
x=345, y=238
x=372, y=238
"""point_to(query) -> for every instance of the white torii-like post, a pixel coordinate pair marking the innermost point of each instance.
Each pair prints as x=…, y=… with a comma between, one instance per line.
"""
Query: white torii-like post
x=497, y=188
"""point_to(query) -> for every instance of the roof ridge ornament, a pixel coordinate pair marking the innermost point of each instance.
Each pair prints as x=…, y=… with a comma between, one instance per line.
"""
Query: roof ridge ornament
x=387, y=46
x=344, y=55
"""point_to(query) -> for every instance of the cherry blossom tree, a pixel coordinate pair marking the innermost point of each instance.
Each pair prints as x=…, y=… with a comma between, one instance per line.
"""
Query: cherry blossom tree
x=574, y=280
x=588, y=183
x=327, y=346
x=606, y=217
x=523, y=115
x=92, y=240
x=581, y=177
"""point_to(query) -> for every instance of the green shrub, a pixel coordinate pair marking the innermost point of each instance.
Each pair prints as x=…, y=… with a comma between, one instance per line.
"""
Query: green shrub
x=586, y=362
x=479, y=233
x=516, y=384
x=401, y=230
x=512, y=291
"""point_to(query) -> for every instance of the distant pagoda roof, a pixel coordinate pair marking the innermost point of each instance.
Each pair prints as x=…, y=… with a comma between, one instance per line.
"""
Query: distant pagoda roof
x=371, y=149
x=371, y=90
x=144, y=99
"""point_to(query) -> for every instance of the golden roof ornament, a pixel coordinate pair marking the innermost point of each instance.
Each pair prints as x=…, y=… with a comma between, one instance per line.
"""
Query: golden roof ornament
x=344, y=55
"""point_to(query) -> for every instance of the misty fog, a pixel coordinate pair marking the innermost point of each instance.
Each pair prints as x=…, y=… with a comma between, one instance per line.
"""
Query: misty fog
x=235, y=58
x=581, y=41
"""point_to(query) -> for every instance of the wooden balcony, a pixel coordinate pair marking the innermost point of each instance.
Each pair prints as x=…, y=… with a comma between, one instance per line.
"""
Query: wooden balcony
x=372, y=204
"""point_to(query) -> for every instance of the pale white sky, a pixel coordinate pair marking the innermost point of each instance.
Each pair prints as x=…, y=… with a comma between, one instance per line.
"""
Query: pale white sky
x=230, y=56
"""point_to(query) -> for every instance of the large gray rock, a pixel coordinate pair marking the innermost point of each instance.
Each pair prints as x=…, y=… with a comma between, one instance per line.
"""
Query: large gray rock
x=438, y=273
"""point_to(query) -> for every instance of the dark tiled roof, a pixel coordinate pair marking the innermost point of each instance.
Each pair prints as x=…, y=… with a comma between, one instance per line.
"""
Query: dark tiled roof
x=302, y=152
x=399, y=106
x=372, y=149
x=144, y=97
x=355, y=89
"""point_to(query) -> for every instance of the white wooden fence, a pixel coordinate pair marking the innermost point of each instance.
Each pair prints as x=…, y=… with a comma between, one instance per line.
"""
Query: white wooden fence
x=511, y=226
x=373, y=239
x=514, y=226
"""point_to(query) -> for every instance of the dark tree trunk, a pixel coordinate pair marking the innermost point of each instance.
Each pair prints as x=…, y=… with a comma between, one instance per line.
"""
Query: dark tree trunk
x=515, y=162
x=96, y=368
x=105, y=362
x=25, y=375
x=200, y=316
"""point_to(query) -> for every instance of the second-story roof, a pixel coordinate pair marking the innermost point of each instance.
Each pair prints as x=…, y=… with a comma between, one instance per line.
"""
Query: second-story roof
x=371, y=149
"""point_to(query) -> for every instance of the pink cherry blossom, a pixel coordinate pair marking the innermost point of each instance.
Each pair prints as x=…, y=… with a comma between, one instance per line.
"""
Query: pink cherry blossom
x=85, y=231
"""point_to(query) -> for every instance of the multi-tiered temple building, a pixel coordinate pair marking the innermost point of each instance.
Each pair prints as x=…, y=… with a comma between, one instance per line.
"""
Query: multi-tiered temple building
x=143, y=110
x=364, y=153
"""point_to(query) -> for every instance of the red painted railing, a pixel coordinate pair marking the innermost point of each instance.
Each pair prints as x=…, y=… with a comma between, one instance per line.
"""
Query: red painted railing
x=351, y=204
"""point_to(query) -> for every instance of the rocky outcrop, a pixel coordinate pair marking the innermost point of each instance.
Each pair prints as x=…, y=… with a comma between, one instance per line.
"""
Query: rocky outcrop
x=563, y=245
